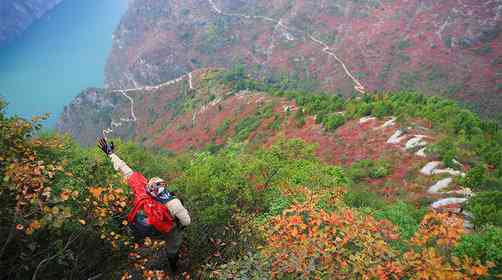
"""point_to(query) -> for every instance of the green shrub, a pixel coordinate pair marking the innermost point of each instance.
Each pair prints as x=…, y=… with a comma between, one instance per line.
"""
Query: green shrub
x=250, y=267
x=492, y=184
x=368, y=169
x=250, y=123
x=334, y=121
x=407, y=217
x=474, y=178
x=223, y=127
x=381, y=110
x=363, y=199
x=446, y=149
x=486, y=208
x=300, y=118
x=485, y=245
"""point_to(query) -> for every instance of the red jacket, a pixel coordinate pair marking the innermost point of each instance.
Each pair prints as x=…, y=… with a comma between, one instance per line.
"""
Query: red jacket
x=157, y=213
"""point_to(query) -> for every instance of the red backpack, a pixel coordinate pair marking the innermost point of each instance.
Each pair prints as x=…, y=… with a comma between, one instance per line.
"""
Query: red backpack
x=158, y=214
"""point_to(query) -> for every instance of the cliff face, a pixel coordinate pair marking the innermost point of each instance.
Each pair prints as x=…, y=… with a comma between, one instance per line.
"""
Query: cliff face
x=17, y=15
x=450, y=48
x=90, y=113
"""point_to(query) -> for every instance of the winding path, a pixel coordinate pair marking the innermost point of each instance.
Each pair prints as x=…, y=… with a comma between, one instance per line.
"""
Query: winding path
x=133, y=117
x=325, y=48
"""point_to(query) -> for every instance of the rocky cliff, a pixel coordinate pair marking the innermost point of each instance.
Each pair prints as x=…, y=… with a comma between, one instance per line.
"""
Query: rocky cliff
x=449, y=48
x=17, y=15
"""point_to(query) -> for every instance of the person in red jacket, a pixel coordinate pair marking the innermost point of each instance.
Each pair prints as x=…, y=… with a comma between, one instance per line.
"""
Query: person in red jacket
x=156, y=212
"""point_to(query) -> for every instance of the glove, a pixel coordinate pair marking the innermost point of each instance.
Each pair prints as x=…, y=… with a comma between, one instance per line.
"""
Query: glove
x=105, y=147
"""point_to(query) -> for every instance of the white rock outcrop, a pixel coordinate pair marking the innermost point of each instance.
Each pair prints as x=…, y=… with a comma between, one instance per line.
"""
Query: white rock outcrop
x=415, y=142
x=448, y=201
x=366, y=119
x=389, y=123
x=430, y=167
x=397, y=137
x=464, y=191
x=421, y=152
x=442, y=184
x=450, y=171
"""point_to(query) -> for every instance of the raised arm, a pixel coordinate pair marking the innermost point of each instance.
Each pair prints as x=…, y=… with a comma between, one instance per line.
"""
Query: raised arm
x=118, y=164
x=121, y=166
x=179, y=211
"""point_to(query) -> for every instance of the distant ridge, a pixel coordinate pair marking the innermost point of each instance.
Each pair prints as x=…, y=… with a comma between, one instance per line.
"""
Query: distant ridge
x=17, y=15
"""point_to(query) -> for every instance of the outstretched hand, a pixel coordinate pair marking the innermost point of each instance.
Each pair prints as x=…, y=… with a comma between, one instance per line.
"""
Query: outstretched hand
x=105, y=147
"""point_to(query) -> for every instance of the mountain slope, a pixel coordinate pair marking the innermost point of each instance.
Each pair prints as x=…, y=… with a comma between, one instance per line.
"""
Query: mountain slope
x=17, y=15
x=402, y=153
x=204, y=110
x=445, y=48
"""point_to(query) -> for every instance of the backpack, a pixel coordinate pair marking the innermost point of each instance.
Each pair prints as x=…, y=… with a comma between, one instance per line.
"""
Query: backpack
x=158, y=214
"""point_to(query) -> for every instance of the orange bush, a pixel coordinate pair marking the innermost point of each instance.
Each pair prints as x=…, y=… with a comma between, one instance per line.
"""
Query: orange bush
x=311, y=243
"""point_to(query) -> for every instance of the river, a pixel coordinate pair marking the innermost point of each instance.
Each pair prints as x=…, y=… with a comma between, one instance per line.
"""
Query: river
x=58, y=56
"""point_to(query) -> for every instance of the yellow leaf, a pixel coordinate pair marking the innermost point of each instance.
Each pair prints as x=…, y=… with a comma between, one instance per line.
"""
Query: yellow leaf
x=82, y=222
x=96, y=192
x=35, y=224
x=65, y=195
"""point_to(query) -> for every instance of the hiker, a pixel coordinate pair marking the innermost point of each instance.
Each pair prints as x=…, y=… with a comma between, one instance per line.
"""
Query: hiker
x=156, y=212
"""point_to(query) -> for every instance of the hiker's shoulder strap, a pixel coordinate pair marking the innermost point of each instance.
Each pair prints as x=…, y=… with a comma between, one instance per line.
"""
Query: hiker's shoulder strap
x=137, y=183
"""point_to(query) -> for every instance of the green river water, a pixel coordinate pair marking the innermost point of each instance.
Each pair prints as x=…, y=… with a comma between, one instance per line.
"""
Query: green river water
x=58, y=56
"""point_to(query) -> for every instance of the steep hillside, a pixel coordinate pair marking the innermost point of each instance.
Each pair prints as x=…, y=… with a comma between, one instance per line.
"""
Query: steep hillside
x=206, y=110
x=258, y=212
x=448, y=48
x=17, y=15
x=238, y=143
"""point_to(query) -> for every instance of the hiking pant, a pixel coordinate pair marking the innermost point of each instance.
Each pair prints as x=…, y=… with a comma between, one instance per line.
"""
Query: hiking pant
x=166, y=258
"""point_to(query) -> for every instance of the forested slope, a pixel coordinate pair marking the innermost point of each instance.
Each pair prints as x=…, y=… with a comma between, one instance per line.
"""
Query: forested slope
x=273, y=187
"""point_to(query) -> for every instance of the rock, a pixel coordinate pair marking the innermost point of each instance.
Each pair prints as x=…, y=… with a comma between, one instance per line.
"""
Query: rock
x=448, y=201
x=464, y=192
x=421, y=152
x=468, y=215
x=450, y=171
x=366, y=119
x=436, y=188
x=430, y=167
x=397, y=137
x=468, y=224
x=388, y=123
x=416, y=142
